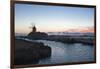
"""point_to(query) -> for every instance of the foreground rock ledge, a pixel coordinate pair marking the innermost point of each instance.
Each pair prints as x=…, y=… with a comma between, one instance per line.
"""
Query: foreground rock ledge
x=29, y=52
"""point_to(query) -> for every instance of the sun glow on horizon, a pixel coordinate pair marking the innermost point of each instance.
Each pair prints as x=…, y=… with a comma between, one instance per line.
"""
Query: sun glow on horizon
x=80, y=30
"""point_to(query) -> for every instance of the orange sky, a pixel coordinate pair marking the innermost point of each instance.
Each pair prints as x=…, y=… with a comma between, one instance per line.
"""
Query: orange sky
x=78, y=29
x=84, y=30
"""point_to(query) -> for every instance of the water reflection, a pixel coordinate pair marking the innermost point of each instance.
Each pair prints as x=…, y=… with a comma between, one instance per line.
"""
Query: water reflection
x=64, y=53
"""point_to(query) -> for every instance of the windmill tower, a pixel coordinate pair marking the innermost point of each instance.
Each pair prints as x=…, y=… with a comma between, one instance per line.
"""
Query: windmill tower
x=33, y=28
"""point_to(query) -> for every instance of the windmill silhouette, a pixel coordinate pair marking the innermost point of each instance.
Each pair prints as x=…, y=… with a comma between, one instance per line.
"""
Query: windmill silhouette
x=33, y=27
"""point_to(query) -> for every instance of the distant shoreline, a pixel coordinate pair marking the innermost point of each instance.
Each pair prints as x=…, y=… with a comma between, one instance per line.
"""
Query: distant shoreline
x=89, y=40
x=59, y=33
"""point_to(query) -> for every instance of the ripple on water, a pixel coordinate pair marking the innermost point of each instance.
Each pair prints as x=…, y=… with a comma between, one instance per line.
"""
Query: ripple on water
x=62, y=52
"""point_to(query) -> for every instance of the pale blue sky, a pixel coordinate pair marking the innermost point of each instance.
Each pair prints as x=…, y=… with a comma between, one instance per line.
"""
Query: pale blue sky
x=51, y=18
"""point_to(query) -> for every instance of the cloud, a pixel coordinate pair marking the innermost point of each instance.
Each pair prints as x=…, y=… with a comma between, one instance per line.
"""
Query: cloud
x=81, y=29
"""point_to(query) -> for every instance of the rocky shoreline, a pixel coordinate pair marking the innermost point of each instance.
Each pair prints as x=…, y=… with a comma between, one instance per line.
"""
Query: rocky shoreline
x=30, y=52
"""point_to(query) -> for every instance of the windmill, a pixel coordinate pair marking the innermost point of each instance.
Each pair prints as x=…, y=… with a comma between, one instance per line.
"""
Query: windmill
x=33, y=27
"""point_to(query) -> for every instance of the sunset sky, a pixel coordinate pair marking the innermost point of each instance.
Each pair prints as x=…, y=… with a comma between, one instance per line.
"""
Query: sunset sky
x=53, y=18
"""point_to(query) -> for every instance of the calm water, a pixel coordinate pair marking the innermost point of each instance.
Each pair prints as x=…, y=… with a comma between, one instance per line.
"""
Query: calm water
x=64, y=53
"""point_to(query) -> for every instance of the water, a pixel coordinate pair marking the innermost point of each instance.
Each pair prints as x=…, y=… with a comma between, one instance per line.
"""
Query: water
x=65, y=53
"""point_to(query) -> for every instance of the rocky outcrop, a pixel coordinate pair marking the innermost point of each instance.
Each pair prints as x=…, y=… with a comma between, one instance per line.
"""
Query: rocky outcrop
x=37, y=35
x=29, y=52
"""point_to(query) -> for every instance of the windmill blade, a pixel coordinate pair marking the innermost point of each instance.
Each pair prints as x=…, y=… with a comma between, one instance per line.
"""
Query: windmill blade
x=32, y=24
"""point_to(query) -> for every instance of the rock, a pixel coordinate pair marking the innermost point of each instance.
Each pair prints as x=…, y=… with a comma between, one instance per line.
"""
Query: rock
x=37, y=35
x=23, y=56
x=29, y=52
x=44, y=51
